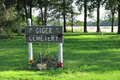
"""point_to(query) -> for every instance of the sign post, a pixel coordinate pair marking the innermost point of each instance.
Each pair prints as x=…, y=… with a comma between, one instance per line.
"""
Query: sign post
x=60, y=50
x=30, y=44
x=60, y=54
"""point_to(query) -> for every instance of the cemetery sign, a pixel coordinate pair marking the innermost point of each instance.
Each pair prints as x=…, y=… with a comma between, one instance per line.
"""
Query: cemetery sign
x=44, y=34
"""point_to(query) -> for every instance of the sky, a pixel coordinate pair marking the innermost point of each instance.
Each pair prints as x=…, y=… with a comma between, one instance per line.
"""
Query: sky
x=81, y=17
x=102, y=15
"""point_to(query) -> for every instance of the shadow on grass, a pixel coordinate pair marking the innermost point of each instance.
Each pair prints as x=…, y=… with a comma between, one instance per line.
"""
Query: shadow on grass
x=80, y=54
x=92, y=54
x=89, y=33
x=102, y=61
x=14, y=54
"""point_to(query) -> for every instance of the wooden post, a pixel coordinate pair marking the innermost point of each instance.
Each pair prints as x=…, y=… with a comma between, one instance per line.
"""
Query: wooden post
x=30, y=51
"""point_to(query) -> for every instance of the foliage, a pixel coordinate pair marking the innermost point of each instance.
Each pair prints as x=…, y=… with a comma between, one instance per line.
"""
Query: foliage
x=44, y=60
x=85, y=4
x=1, y=3
x=49, y=60
x=6, y=34
x=51, y=9
x=7, y=15
x=106, y=22
x=61, y=9
x=97, y=4
x=78, y=23
x=22, y=24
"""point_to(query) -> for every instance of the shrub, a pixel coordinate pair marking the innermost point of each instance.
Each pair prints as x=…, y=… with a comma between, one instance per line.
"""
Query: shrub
x=43, y=62
x=49, y=60
x=6, y=34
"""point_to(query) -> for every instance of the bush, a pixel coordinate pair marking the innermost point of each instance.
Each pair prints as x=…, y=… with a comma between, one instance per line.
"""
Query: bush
x=43, y=62
x=49, y=60
x=7, y=34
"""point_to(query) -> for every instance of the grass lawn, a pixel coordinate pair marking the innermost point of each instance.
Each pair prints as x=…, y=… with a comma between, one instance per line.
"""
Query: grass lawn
x=87, y=56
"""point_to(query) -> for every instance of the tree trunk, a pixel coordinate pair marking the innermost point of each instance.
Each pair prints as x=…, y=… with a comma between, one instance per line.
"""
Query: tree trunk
x=42, y=15
x=26, y=12
x=98, y=17
x=118, y=18
x=113, y=12
x=31, y=14
x=85, y=16
x=45, y=16
x=72, y=18
x=18, y=24
x=64, y=23
x=64, y=16
x=112, y=24
x=18, y=17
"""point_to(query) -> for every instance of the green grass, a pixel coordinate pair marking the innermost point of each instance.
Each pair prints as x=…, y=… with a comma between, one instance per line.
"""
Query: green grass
x=87, y=56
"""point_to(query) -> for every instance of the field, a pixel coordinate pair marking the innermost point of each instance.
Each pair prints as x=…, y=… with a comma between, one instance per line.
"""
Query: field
x=87, y=56
x=94, y=28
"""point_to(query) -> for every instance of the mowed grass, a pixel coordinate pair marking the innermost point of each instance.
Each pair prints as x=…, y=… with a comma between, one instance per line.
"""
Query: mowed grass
x=87, y=56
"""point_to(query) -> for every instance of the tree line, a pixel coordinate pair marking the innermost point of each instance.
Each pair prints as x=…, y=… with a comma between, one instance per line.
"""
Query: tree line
x=106, y=22
x=16, y=12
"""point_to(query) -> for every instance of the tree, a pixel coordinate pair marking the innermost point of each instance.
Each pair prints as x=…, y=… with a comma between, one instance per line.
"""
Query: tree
x=96, y=4
x=87, y=11
x=20, y=6
x=72, y=17
x=2, y=4
x=61, y=9
x=118, y=17
x=113, y=12
x=111, y=5
x=18, y=17
x=2, y=11
x=27, y=6
x=98, y=16
x=68, y=10
x=64, y=13
x=45, y=12
x=7, y=14
x=44, y=7
x=40, y=18
x=81, y=4
x=85, y=15
x=43, y=15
